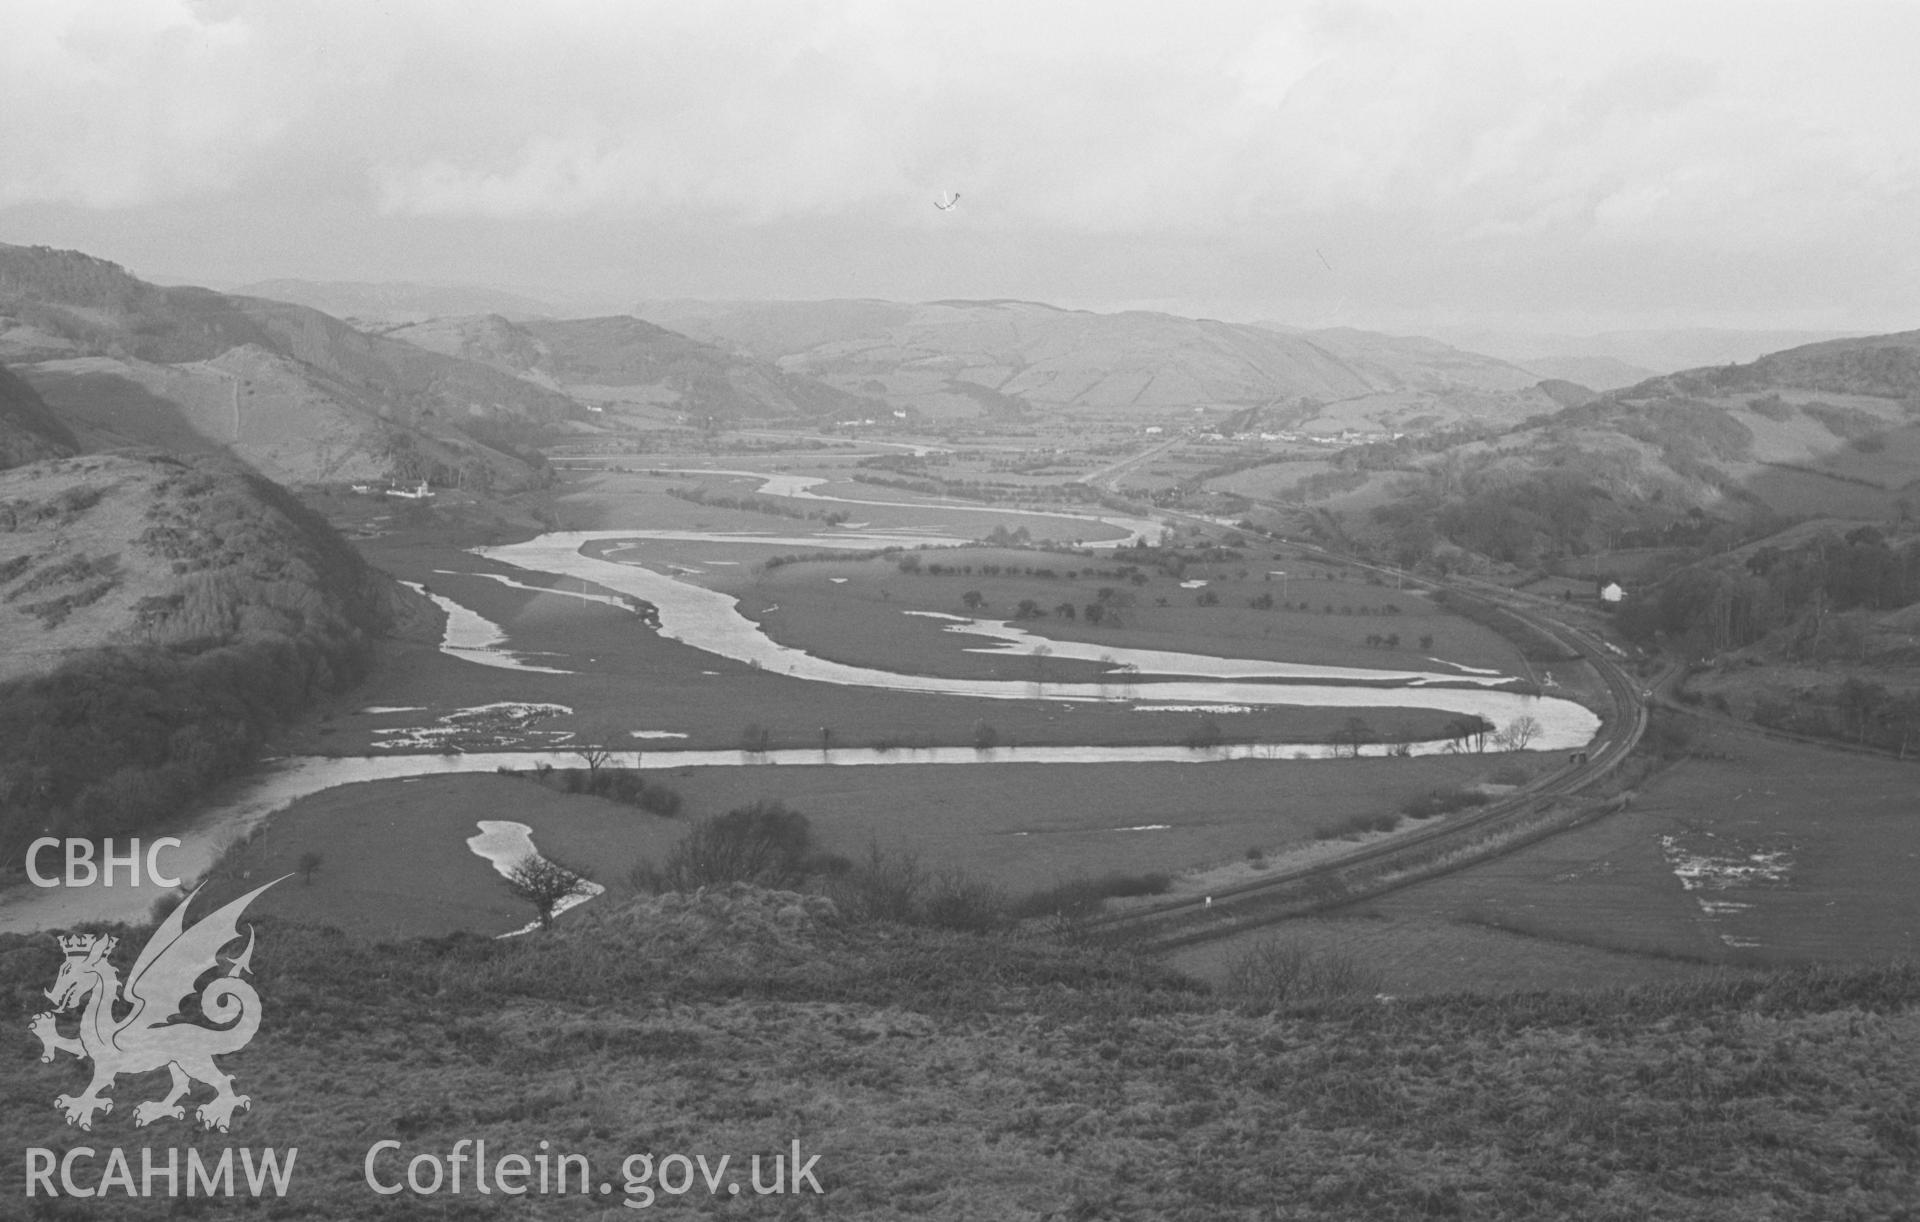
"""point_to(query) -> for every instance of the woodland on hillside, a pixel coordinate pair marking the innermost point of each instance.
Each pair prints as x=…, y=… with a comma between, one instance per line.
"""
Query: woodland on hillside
x=270, y=609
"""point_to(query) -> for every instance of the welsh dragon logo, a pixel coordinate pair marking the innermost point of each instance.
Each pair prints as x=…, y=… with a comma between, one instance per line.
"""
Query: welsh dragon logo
x=154, y=1033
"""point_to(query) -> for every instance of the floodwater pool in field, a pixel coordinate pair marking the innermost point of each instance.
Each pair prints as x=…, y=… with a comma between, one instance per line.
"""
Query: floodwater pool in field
x=1173, y=662
x=476, y=638
x=506, y=844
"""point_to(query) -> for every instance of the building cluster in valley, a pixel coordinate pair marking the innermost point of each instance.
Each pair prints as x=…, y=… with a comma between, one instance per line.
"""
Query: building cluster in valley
x=417, y=491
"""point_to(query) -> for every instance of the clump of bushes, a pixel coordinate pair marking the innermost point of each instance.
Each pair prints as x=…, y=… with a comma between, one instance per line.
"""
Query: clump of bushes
x=1277, y=973
x=1666, y=737
x=765, y=844
x=1206, y=735
x=768, y=845
x=625, y=785
x=1353, y=825
x=896, y=888
x=1438, y=802
x=1080, y=896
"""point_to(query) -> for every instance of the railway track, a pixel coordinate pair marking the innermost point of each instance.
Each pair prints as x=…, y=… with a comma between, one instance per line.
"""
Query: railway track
x=1542, y=808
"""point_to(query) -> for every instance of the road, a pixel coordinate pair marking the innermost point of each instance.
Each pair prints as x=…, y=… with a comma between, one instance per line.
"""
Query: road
x=1107, y=478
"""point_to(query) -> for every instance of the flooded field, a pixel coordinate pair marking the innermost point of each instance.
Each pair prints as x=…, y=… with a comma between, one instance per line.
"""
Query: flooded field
x=551, y=674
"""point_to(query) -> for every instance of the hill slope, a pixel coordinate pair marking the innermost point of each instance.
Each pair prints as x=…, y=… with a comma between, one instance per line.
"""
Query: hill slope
x=620, y=359
x=1883, y=366
x=388, y=303
x=158, y=615
x=935, y=1075
x=1690, y=459
x=28, y=429
x=966, y=357
x=1599, y=372
x=1657, y=351
x=307, y=397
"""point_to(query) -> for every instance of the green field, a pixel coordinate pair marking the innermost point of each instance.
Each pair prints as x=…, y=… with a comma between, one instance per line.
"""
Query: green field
x=860, y=616
x=397, y=861
x=629, y=678
x=1604, y=904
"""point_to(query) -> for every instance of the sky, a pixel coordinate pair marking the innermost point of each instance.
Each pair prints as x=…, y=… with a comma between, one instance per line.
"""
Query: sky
x=1531, y=165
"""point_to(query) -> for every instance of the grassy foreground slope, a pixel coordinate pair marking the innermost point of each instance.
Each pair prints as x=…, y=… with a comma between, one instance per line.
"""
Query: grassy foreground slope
x=158, y=616
x=957, y=1076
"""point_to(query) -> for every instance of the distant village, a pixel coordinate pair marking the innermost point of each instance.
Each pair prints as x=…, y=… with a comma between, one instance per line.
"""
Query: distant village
x=414, y=492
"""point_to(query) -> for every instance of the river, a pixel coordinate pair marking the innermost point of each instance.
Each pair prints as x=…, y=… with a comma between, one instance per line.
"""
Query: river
x=711, y=621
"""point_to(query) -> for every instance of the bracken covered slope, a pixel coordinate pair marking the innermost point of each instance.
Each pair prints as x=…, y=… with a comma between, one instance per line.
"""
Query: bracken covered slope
x=945, y=1075
x=297, y=395
x=158, y=617
x=623, y=359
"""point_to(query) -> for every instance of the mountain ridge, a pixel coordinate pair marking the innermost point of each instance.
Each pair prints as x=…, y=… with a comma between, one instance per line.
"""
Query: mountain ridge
x=1134, y=364
x=614, y=359
x=150, y=372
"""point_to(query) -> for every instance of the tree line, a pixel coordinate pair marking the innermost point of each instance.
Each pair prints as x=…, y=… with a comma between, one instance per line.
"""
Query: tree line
x=1711, y=608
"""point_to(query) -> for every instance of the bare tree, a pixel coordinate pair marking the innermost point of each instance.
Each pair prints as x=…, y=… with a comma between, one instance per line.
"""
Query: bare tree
x=592, y=743
x=546, y=884
x=1355, y=734
x=1519, y=732
x=1040, y=655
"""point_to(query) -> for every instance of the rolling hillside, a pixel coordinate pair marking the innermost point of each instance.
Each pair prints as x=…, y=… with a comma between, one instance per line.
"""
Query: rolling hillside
x=1704, y=456
x=927, y=1073
x=970, y=358
x=296, y=394
x=1599, y=372
x=623, y=360
x=375, y=304
x=1654, y=351
x=158, y=617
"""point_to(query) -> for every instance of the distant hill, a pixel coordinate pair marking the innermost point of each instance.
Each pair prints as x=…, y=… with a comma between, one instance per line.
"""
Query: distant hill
x=935, y=358
x=1656, y=351
x=1599, y=372
x=1396, y=362
x=158, y=617
x=297, y=394
x=387, y=303
x=1698, y=458
x=1884, y=366
x=774, y=329
x=28, y=428
x=621, y=359
x=1568, y=394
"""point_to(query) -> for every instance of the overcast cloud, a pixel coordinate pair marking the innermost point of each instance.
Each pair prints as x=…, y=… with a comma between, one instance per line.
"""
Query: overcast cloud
x=1562, y=165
